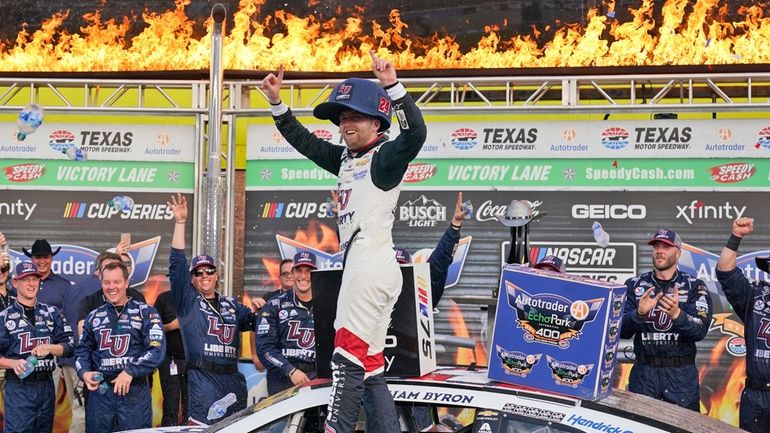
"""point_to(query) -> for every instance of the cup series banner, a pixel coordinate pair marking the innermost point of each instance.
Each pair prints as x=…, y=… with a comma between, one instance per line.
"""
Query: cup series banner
x=279, y=223
x=48, y=194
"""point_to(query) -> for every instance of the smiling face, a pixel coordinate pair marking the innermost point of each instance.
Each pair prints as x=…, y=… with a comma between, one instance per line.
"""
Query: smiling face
x=357, y=129
x=205, y=279
x=302, y=279
x=43, y=263
x=27, y=288
x=115, y=284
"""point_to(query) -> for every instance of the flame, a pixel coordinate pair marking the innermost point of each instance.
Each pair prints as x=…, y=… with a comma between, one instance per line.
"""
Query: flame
x=154, y=286
x=318, y=236
x=465, y=356
x=686, y=33
x=725, y=400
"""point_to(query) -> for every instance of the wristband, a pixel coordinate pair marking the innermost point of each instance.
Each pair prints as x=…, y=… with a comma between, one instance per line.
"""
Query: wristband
x=180, y=222
x=292, y=371
x=390, y=86
x=454, y=226
x=277, y=103
x=733, y=242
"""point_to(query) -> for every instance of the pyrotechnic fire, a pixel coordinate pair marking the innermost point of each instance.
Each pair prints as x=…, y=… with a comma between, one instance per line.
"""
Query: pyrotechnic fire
x=686, y=33
x=465, y=356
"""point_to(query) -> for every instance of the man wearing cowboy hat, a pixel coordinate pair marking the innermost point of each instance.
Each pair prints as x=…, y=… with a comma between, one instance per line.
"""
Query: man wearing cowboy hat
x=751, y=302
x=52, y=286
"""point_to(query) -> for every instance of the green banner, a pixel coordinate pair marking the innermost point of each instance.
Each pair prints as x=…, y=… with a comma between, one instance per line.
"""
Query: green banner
x=673, y=173
x=96, y=175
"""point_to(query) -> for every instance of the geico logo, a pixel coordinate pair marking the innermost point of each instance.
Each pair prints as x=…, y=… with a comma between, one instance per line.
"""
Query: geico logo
x=300, y=210
x=609, y=211
x=585, y=256
x=145, y=211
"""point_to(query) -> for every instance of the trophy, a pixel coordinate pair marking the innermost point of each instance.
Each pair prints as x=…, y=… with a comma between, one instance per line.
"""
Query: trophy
x=517, y=216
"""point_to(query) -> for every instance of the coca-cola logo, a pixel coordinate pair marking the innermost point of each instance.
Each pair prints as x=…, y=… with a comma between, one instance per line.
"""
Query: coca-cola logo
x=488, y=211
x=419, y=172
x=24, y=172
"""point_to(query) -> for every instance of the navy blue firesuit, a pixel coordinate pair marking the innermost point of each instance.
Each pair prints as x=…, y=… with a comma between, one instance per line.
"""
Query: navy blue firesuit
x=29, y=403
x=211, y=339
x=439, y=261
x=115, y=339
x=665, y=349
x=752, y=304
x=285, y=340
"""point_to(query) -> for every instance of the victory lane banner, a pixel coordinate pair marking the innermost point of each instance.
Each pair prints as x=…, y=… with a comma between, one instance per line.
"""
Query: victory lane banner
x=96, y=175
x=605, y=174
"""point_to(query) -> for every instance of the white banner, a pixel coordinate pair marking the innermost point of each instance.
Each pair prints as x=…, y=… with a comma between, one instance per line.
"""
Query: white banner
x=158, y=143
x=720, y=138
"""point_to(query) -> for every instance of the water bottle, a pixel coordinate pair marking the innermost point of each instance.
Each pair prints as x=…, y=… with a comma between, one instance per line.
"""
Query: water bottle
x=29, y=119
x=602, y=238
x=219, y=408
x=29, y=367
x=467, y=208
x=330, y=212
x=75, y=153
x=121, y=203
x=103, y=386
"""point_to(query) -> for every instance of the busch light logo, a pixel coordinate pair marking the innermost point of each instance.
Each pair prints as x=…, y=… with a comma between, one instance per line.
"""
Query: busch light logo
x=464, y=138
x=61, y=140
x=764, y=138
x=517, y=363
x=568, y=373
x=615, y=138
x=549, y=318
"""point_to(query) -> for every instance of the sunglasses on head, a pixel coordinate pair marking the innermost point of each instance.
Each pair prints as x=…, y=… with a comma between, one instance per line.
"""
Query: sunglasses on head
x=207, y=271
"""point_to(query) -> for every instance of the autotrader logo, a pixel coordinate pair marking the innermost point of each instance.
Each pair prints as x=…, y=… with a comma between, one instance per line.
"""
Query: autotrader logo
x=596, y=425
x=615, y=138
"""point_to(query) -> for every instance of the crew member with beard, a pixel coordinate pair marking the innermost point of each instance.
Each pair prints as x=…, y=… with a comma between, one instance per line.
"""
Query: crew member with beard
x=211, y=325
x=666, y=312
x=286, y=332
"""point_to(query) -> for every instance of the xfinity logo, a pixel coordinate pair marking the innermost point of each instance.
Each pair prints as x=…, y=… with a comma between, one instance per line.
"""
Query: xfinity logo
x=609, y=211
x=699, y=210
